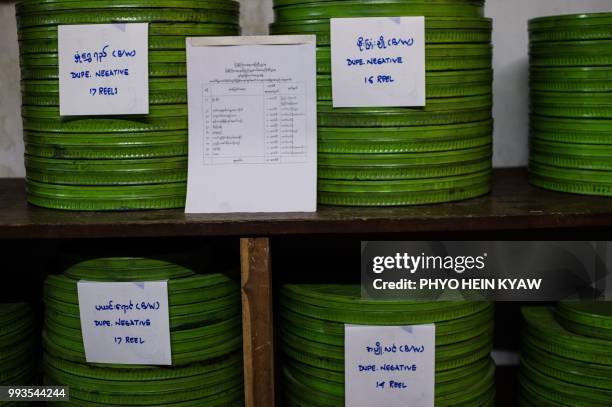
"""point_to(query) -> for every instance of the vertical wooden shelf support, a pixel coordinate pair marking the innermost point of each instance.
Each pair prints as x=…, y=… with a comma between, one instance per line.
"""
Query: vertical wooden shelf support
x=257, y=322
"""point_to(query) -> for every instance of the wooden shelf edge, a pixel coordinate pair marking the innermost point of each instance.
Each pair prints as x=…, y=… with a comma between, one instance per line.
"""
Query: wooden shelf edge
x=512, y=205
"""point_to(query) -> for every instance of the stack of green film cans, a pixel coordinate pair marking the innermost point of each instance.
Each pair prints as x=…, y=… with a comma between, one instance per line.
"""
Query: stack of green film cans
x=566, y=355
x=205, y=332
x=312, y=323
x=571, y=103
x=18, y=340
x=404, y=156
x=112, y=162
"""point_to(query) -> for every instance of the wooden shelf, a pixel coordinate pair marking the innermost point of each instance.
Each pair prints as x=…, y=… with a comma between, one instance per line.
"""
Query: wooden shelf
x=513, y=205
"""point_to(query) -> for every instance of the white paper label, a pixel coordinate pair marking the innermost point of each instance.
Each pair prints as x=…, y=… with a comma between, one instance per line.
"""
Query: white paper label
x=390, y=366
x=252, y=124
x=103, y=69
x=125, y=323
x=378, y=61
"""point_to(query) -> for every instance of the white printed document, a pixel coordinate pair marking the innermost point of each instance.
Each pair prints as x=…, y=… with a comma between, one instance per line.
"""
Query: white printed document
x=252, y=124
x=391, y=366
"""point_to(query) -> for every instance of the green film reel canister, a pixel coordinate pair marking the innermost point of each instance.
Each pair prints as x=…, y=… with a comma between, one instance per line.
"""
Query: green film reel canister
x=205, y=333
x=379, y=156
x=574, y=79
x=564, y=360
x=571, y=113
x=383, y=8
x=403, y=192
x=133, y=15
x=106, y=146
x=107, y=198
x=587, y=318
x=561, y=23
x=17, y=344
x=312, y=324
x=106, y=162
x=404, y=166
x=404, y=139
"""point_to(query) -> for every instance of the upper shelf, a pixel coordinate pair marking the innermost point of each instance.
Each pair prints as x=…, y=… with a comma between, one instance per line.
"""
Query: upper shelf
x=513, y=205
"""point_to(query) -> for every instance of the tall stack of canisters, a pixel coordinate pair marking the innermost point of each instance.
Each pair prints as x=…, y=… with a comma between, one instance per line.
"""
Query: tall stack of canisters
x=112, y=162
x=205, y=333
x=566, y=355
x=403, y=156
x=312, y=324
x=571, y=103
x=18, y=340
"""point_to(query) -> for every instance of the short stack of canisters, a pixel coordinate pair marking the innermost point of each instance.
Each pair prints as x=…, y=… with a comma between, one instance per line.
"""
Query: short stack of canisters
x=112, y=162
x=571, y=103
x=18, y=339
x=312, y=323
x=566, y=355
x=405, y=156
x=205, y=332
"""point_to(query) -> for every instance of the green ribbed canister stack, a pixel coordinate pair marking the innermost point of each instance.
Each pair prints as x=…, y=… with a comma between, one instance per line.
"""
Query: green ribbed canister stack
x=566, y=355
x=312, y=320
x=112, y=162
x=205, y=333
x=405, y=156
x=18, y=343
x=571, y=103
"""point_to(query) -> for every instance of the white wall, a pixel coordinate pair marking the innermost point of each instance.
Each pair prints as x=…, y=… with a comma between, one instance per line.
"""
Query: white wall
x=11, y=145
x=255, y=15
x=510, y=63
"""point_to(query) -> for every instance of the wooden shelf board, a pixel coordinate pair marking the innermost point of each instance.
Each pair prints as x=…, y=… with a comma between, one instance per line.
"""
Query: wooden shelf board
x=513, y=205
